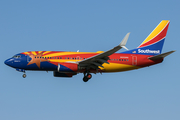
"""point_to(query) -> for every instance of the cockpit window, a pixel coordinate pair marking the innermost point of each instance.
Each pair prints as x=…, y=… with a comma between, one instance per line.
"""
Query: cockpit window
x=16, y=56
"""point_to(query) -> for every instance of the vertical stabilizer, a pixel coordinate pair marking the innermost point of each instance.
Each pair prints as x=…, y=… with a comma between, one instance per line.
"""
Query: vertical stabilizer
x=153, y=44
x=157, y=35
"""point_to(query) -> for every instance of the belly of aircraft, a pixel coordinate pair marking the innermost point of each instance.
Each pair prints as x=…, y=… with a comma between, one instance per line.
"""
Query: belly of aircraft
x=116, y=67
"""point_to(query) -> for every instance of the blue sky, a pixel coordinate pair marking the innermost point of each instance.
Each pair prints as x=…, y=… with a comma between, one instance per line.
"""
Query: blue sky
x=88, y=26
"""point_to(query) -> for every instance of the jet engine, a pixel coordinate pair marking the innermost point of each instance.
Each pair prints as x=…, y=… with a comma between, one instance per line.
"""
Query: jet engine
x=59, y=74
x=67, y=68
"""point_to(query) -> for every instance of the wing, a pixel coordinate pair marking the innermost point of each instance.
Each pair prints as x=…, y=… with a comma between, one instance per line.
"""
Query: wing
x=95, y=61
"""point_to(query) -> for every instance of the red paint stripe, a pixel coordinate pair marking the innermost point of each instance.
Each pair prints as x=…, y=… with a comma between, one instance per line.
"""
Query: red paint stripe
x=37, y=52
x=159, y=37
x=52, y=52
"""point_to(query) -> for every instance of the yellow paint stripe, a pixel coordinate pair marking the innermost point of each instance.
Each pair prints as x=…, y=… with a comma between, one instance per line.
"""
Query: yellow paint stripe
x=62, y=60
x=115, y=67
x=65, y=53
x=156, y=31
x=26, y=53
x=39, y=51
x=33, y=52
x=46, y=52
x=112, y=67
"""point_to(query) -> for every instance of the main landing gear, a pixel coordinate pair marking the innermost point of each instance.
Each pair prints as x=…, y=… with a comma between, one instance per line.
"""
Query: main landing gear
x=87, y=76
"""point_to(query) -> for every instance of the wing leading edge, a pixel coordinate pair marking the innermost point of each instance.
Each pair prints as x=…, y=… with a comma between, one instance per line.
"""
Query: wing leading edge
x=97, y=60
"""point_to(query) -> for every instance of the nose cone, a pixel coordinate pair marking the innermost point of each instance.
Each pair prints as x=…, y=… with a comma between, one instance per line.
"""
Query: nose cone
x=8, y=62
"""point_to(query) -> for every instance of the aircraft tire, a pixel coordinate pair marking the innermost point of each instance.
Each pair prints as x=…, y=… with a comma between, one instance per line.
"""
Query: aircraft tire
x=24, y=75
x=85, y=79
x=89, y=76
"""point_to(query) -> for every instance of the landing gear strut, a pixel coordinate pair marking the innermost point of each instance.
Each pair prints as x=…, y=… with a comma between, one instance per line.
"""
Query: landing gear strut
x=87, y=76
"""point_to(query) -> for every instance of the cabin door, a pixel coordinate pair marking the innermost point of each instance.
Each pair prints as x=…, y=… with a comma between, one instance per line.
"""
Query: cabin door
x=134, y=60
x=28, y=58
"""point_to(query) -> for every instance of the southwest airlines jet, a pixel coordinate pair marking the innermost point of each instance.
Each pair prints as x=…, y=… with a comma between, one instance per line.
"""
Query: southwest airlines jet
x=68, y=64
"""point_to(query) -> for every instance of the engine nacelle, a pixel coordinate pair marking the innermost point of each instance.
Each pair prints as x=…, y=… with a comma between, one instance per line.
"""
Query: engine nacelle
x=67, y=67
x=58, y=74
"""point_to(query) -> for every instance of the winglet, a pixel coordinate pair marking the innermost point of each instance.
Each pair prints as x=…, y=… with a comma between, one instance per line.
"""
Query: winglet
x=124, y=41
x=161, y=56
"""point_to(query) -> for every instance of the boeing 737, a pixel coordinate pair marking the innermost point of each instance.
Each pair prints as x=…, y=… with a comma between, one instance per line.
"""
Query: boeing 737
x=68, y=64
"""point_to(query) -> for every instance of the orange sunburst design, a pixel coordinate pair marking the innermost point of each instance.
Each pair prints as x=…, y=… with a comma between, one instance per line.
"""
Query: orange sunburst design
x=37, y=59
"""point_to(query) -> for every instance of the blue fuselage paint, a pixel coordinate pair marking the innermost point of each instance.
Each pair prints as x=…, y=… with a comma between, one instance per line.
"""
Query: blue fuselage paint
x=21, y=64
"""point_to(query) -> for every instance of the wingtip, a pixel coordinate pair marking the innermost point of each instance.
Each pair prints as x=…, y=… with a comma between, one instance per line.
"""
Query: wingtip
x=124, y=41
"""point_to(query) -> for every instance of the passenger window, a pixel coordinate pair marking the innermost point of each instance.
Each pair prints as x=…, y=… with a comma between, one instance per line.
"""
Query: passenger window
x=124, y=59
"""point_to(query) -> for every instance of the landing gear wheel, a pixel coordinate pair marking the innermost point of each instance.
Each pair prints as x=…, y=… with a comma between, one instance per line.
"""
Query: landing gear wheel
x=87, y=77
x=24, y=75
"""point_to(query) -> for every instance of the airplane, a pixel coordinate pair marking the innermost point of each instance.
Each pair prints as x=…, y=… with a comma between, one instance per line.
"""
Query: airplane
x=68, y=64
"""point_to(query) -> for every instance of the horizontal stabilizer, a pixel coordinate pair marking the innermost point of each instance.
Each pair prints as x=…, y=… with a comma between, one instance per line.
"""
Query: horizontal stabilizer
x=161, y=56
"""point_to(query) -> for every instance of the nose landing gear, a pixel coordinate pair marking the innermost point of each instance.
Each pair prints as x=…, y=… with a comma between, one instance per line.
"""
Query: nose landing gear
x=24, y=75
x=22, y=70
x=87, y=76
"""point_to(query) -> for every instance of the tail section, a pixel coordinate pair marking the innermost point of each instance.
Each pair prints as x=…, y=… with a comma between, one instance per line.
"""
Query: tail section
x=156, y=38
x=161, y=56
x=153, y=44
